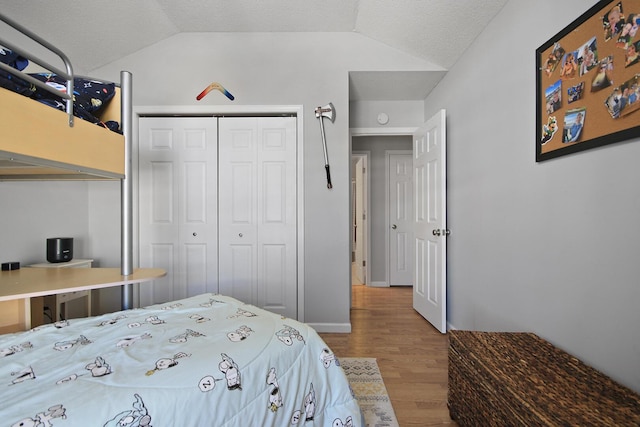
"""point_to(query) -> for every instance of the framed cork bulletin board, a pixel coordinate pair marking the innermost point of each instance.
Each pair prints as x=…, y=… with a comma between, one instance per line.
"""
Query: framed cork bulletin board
x=588, y=81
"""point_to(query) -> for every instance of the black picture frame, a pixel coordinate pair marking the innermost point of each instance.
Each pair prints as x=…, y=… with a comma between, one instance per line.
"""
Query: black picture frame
x=588, y=81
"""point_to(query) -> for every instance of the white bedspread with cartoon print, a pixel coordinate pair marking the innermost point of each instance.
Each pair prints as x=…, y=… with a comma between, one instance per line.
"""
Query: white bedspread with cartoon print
x=208, y=360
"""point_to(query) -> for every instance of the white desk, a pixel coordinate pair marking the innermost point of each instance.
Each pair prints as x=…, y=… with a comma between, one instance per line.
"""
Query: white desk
x=61, y=309
x=26, y=283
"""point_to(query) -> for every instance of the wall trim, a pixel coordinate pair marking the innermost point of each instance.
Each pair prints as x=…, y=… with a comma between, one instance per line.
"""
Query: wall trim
x=382, y=131
x=379, y=284
x=339, y=328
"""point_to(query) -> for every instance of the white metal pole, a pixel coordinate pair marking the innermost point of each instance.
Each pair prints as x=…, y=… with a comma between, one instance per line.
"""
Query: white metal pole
x=127, y=188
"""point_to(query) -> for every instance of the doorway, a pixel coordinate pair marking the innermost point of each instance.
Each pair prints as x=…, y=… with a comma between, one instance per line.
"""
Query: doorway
x=428, y=145
x=376, y=235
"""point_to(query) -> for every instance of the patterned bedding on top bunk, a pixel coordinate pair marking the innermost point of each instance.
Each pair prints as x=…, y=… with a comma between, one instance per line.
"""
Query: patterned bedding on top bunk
x=88, y=98
x=208, y=360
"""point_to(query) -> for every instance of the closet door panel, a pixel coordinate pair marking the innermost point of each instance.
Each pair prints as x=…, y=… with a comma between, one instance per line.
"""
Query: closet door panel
x=239, y=279
x=242, y=197
x=274, y=179
x=195, y=260
x=258, y=158
x=164, y=254
x=177, y=163
x=275, y=273
x=237, y=213
x=277, y=212
x=195, y=193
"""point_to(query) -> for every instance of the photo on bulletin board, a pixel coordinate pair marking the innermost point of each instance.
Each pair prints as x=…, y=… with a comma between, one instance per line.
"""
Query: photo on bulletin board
x=588, y=81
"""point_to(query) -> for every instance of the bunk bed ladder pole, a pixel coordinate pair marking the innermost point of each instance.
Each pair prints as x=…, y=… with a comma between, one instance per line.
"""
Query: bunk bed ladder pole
x=127, y=188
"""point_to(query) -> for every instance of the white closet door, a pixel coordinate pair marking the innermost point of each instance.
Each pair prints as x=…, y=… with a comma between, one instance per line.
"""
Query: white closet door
x=178, y=206
x=257, y=211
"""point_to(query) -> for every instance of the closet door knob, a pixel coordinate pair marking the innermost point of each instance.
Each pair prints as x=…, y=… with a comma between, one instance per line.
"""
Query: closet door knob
x=240, y=234
x=195, y=234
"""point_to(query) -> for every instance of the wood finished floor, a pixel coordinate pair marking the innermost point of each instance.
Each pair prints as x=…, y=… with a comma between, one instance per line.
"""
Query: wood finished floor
x=411, y=354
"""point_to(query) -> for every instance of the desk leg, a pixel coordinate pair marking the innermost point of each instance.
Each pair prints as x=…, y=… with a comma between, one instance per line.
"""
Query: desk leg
x=14, y=316
x=27, y=314
x=89, y=303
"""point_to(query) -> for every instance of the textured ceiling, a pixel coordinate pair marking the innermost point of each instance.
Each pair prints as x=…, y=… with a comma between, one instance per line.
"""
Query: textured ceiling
x=437, y=31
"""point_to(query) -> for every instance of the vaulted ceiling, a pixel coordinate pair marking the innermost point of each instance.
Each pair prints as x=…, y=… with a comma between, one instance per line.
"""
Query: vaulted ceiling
x=438, y=31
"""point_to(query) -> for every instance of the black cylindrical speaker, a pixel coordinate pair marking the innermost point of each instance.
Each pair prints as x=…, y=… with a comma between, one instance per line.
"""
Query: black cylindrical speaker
x=59, y=249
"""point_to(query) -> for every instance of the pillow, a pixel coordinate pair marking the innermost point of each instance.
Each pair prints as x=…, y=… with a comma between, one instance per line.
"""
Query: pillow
x=12, y=59
x=8, y=80
x=88, y=95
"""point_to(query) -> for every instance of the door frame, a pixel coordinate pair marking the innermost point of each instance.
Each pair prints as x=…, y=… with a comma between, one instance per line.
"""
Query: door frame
x=366, y=156
x=387, y=131
x=387, y=212
x=217, y=110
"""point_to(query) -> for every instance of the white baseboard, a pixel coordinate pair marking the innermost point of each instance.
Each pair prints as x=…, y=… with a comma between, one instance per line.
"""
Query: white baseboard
x=378, y=284
x=340, y=328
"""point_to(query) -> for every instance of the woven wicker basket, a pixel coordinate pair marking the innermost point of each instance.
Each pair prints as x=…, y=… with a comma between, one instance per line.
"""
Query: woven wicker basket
x=519, y=379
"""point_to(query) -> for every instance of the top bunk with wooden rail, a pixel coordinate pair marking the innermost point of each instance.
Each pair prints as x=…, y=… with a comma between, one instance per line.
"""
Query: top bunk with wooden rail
x=81, y=139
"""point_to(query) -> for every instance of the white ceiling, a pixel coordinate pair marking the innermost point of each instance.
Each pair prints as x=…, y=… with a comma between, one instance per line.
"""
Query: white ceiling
x=438, y=31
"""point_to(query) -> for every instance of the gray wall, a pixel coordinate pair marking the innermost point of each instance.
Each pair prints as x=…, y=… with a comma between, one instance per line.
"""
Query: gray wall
x=308, y=69
x=548, y=247
x=32, y=212
x=402, y=114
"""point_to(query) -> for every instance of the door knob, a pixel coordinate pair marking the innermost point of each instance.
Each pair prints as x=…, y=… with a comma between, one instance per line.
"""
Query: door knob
x=443, y=232
x=394, y=226
x=195, y=234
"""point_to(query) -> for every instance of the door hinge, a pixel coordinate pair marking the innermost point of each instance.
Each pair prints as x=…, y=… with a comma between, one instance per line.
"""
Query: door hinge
x=364, y=263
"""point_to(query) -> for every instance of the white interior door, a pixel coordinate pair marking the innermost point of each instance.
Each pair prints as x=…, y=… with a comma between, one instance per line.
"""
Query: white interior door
x=257, y=211
x=178, y=205
x=429, y=165
x=400, y=173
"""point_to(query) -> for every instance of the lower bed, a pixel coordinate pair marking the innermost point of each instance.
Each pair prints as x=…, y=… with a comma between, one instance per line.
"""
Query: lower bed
x=208, y=360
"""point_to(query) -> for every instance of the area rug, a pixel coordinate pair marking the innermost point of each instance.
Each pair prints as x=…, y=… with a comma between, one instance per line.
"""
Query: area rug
x=367, y=385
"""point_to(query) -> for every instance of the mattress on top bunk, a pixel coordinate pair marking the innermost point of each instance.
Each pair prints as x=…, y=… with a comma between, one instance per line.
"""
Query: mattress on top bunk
x=204, y=360
x=89, y=96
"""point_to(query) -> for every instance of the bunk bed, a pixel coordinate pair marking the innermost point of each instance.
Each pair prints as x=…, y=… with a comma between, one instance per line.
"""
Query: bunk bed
x=204, y=360
x=74, y=149
x=39, y=142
